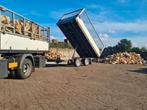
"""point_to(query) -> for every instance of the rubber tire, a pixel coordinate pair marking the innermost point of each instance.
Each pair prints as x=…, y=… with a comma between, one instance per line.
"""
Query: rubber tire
x=90, y=61
x=19, y=72
x=11, y=75
x=86, y=61
x=77, y=62
x=69, y=62
x=58, y=60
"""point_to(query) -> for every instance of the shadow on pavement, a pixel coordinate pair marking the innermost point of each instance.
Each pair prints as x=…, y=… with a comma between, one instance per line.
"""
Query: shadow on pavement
x=59, y=65
x=141, y=70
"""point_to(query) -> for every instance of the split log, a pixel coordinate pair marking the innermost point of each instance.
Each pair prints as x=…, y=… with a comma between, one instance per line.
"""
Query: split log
x=35, y=30
x=28, y=26
x=7, y=26
x=19, y=26
x=5, y=19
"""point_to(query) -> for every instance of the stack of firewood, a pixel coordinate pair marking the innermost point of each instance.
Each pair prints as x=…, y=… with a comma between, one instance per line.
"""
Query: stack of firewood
x=28, y=26
x=31, y=28
x=54, y=53
x=35, y=30
x=124, y=58
x=5, y=19
x=19, y=26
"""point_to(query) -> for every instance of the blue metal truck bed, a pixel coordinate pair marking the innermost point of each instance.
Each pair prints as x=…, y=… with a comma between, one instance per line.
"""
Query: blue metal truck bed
x=82, y=35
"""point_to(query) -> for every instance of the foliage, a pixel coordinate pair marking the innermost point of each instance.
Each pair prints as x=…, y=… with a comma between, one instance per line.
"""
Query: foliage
x=143, y=49
x=135, y=49
x=60, y=45
x=124, y=45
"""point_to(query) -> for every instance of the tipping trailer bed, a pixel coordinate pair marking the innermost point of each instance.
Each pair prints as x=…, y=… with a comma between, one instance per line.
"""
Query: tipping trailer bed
x=82, y=35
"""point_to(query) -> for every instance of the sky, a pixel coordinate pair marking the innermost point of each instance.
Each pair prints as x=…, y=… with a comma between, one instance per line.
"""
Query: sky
x=113, y=19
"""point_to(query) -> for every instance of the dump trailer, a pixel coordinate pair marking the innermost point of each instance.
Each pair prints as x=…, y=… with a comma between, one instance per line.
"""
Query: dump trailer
x=82, y=35
x=23, y=45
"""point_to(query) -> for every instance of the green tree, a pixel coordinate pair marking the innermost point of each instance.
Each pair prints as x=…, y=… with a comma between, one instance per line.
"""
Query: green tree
x=60, y=45
x=143, y=49
x=124, y=45
x=135, y=49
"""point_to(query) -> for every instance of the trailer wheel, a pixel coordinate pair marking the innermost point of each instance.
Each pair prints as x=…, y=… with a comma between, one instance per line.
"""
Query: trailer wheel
x=90, y=61
x=77, y=62
x=25, y=69
x=69, y=62
x=11, y=75
x=86, y=61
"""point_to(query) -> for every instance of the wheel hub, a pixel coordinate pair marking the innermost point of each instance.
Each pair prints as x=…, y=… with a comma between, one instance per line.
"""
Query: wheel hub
x=26, y=69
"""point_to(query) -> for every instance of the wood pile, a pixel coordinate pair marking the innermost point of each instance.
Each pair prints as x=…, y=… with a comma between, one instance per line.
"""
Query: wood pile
x=5, y=19
x=124, y=58
x=19, y=26
x=31, y=28
x=28, y=25
x=35, y=30
x=54, y=53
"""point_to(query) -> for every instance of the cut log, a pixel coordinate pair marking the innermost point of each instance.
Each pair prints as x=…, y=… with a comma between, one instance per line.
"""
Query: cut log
x=28, y=26
x=35, y=31
x=5, y=19
x=19, y=26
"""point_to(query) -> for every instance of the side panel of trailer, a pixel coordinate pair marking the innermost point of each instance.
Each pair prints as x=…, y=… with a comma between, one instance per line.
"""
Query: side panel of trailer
x=14, y=42
x=88, y=36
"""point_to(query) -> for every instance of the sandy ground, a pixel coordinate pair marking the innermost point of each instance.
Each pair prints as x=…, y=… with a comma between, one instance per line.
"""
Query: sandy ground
x=95, y=87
